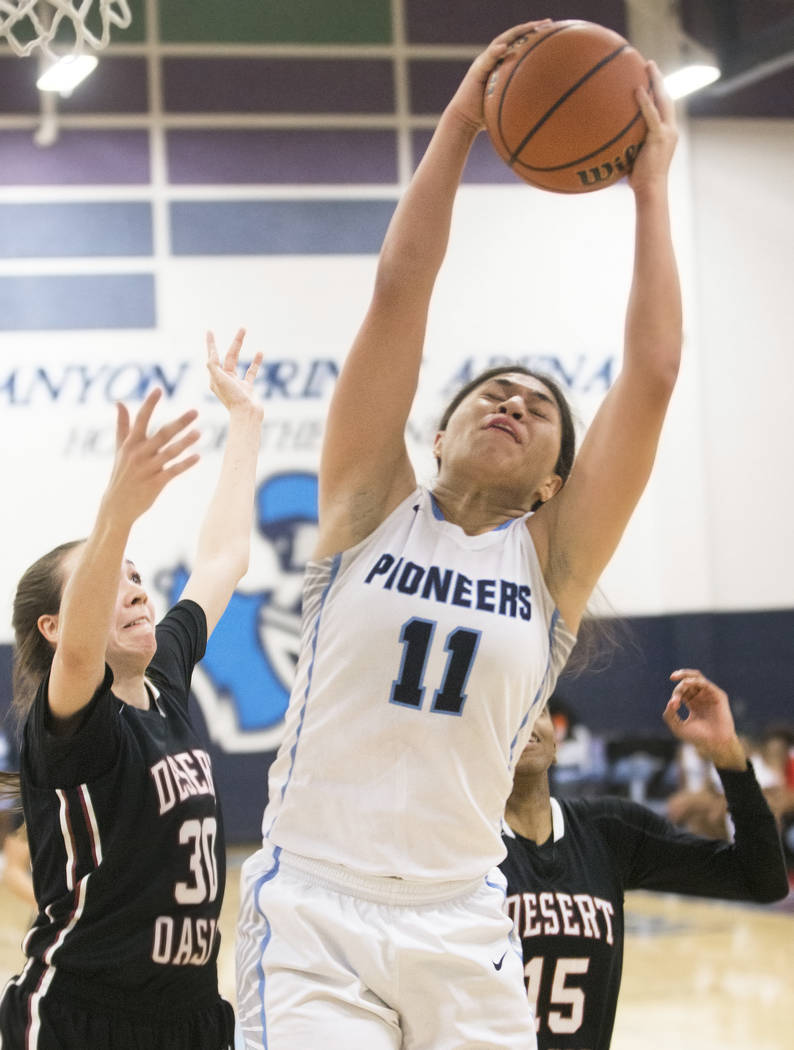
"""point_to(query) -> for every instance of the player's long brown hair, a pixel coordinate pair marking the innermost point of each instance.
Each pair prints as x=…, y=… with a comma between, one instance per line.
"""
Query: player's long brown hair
x=38, y=594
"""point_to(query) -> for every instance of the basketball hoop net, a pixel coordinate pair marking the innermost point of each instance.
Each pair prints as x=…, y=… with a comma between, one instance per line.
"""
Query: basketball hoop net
x=38, y=21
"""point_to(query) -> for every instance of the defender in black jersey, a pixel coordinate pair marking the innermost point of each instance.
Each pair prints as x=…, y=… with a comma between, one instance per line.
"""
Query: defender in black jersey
x=125, y=830
x=569, y=863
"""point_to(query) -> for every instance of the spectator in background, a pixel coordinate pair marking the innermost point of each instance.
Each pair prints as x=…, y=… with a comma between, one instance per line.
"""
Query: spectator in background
x=572, y=735
x=771, y=757
x=699, y=804
x=14, y=853
x=774, y=758
x=575, y=746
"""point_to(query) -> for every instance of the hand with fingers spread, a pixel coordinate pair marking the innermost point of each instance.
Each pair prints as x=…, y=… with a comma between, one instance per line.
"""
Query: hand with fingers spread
x=225, y=536
x=232, y=391
x=709, y=723
x=653, y=160
x=144, y=463
x=467, y=101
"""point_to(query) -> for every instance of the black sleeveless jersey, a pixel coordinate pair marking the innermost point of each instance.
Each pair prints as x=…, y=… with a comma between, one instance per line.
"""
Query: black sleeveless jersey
x=126, y=840
x=566, y=896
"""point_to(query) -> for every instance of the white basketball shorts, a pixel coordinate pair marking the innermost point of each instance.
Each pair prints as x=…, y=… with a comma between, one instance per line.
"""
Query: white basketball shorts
x=331, y=960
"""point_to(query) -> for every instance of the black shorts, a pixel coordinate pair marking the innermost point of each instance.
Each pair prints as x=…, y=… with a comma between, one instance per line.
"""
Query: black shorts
x=61, y=1022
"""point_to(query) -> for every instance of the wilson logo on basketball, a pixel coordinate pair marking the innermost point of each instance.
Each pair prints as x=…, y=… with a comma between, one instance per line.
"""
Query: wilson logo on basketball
x=607, y=171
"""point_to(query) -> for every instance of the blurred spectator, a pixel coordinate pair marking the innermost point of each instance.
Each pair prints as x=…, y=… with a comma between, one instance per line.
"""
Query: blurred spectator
x=15, y=870
x=771, y=757
x=578, y=755
x=774, y=758
x=699, y=803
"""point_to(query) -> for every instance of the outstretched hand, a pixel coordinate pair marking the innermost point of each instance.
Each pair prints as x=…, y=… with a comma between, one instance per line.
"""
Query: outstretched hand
x=145, y=464
x=468, y=99
x=228, y=387
x=653, y=160
x=709, y=723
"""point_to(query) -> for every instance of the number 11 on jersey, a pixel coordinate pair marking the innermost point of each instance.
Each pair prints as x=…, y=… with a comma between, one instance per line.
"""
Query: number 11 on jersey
x=408, y=689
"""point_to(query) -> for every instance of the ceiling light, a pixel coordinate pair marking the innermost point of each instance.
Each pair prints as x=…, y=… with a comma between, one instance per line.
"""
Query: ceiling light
x=690, y=78
x=66, y=73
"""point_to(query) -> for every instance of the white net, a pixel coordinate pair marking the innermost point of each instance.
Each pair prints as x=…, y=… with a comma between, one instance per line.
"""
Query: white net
x=29, y=25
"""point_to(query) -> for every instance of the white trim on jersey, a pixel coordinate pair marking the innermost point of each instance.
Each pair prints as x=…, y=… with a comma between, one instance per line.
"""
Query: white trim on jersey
x=154, y=696
x=18, y=980
x=557, y=822
x=34, y=1024
x=32, y=931
x=543, y=689
x=68, y=838
x=335, y=562
x=81, y=887
x=91, y=824
x=75, y=918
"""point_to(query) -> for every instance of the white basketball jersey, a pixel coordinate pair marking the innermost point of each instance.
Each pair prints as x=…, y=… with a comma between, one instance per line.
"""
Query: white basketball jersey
x=426, y=656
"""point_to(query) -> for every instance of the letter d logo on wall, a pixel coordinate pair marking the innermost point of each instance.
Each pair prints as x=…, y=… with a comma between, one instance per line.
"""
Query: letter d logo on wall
x=243, y=683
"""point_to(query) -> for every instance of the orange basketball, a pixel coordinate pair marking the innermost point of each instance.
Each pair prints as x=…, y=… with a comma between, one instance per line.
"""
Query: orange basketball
x=560, y=107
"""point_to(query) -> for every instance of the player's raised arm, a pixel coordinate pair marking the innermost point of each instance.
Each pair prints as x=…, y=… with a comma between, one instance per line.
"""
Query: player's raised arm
x=143, y=466
x=578, y=531
x=365, y=470
x=225, y=537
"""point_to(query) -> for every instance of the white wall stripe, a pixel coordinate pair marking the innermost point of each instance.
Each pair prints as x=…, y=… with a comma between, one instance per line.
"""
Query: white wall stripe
x=385, y=121
x=310, y=50
x=161, y=230
x=401, y=94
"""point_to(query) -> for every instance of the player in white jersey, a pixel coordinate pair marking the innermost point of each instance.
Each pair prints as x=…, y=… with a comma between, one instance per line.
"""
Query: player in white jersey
x=434, y=626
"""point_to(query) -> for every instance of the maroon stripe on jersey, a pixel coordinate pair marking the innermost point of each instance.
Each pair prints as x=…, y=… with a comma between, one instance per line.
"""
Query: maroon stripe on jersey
x=91, y=824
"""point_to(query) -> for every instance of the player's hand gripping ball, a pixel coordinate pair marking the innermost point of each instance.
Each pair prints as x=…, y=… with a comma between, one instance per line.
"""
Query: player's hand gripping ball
x=561, y=110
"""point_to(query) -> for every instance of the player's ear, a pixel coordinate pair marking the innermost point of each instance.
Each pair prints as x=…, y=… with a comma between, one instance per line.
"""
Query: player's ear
x=48, y=626
x=438, y=441
x=550, y=487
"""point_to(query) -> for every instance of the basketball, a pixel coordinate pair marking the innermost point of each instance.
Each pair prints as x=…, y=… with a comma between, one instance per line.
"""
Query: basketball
x=560, y=107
